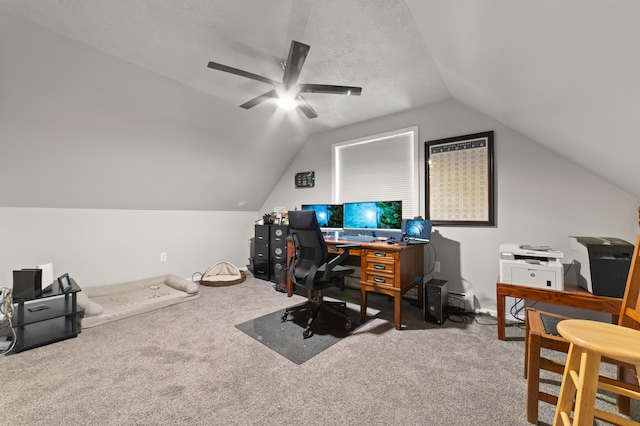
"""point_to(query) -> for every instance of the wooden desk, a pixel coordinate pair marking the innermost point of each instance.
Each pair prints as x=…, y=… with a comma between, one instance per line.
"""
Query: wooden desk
x=573, y=296
x=391, y=269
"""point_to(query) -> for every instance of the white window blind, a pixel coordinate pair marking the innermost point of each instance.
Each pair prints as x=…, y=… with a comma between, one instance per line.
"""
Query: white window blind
x=381, y=167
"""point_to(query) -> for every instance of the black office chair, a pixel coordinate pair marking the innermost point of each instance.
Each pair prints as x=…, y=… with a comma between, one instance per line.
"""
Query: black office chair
x=311, y=269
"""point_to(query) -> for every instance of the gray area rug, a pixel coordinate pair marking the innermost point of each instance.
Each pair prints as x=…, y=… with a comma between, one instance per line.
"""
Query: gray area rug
x=286, y=337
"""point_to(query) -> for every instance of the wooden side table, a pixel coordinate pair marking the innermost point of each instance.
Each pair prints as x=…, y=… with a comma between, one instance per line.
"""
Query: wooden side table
x=573, y=296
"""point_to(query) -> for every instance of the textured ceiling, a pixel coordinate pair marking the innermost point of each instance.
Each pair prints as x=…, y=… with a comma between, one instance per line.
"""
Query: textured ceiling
x=374, y=45
x=564, y=74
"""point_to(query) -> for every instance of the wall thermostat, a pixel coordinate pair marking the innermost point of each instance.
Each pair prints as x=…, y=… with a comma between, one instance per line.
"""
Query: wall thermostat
x=305, y=180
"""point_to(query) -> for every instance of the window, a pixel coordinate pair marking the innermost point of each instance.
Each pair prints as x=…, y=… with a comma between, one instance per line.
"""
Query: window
x=381, y=167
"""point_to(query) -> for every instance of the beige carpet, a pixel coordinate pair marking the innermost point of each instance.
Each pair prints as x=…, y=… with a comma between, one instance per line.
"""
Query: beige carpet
x=188, y=364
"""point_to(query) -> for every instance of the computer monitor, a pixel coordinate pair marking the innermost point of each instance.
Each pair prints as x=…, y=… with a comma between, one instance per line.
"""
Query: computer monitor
x=417, y=229
x=373, y=215
x=329, y=216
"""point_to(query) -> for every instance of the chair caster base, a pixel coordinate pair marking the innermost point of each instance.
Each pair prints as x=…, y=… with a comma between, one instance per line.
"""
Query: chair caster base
x=348, y=326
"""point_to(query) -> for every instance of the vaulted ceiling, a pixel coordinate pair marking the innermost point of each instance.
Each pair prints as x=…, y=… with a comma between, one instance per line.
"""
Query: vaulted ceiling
x=563, y=73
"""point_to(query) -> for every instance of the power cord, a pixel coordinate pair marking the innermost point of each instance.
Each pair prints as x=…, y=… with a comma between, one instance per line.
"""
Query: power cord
x=456, y=310
x=432, y=265
x=515, y=313
x=6, y=314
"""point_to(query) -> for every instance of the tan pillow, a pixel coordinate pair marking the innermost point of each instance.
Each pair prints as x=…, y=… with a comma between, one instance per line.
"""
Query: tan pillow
x=178, y=283
x=89, y=307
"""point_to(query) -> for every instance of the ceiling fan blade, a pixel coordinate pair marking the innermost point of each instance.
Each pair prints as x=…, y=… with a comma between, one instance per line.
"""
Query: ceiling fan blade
x=258, y=100
x=236, y=71
x=297, y=55
x=330, y=89
x=304, y=106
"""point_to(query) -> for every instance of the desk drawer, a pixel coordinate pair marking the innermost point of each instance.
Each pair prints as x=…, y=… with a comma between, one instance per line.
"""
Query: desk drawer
x=380, y=267
x=379, y=255
x=380, y=279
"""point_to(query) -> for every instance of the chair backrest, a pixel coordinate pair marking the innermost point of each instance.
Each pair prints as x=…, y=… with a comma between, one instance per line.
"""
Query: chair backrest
x=630, y=311
x=309, y=245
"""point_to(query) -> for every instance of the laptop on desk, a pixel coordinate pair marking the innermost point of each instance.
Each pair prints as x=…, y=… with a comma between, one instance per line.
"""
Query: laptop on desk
x=416, y=231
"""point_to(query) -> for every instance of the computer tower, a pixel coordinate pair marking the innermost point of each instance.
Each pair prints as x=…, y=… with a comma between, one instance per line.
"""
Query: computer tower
x=27, y=284
x=436, y=293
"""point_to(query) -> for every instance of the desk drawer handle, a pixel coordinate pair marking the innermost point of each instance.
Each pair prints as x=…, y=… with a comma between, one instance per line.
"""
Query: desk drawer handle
x=379, y=280
x=379, y=266
x=380, y=253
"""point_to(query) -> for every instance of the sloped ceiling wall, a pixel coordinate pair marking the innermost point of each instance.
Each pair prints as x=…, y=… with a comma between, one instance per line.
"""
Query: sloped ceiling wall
x=147, y=126
x=563, y=73
x=84, y=129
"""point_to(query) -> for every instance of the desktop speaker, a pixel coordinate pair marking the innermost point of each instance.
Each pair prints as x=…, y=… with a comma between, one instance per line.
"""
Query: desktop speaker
x=27, y=284
x=435, y=301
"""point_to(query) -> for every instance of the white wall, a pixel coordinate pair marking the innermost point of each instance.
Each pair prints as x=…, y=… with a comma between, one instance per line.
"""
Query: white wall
x=541, y=197
x=83, y=129
x=111, y=246
x=104, y=164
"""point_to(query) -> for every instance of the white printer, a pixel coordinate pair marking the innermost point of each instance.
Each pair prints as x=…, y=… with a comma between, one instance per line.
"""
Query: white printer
x=531, y=266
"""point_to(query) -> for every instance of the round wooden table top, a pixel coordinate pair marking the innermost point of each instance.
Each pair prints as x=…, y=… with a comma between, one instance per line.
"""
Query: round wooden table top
x=621, y=343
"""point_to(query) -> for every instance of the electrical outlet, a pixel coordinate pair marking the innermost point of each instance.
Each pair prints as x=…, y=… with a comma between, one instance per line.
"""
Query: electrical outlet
x=163, y=257
x=436, y=266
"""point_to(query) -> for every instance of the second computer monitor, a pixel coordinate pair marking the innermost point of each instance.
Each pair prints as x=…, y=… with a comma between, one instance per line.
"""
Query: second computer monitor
x=373, y=215
x=329, y=215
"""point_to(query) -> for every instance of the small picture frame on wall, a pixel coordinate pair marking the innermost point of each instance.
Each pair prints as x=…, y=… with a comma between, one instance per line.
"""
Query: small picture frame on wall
x=65, y=283
x=305, y=180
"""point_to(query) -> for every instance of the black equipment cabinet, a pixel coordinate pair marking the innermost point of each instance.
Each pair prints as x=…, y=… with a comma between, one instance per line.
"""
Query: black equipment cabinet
x=603, y=264
x=46, y=319
x=278, y=245
x=261, y=258
x=270, y=253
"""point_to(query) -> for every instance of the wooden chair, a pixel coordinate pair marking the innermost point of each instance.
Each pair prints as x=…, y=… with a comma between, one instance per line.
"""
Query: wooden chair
x=536, y=339
x=589, y=342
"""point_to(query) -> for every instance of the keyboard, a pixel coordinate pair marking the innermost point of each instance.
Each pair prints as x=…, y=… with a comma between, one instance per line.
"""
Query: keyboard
x=362, y=238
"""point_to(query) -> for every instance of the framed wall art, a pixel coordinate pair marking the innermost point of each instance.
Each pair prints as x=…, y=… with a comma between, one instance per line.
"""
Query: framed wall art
x=460, y=181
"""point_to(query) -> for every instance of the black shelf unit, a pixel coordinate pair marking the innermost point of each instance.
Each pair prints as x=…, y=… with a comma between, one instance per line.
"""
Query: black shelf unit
x=46, y=319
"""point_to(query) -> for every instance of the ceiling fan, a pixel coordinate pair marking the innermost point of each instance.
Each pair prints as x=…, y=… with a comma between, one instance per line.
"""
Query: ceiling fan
x=288, y=92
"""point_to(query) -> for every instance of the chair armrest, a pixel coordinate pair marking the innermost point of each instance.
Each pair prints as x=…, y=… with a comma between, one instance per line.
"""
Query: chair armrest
x=347, y=246
x=341, y=257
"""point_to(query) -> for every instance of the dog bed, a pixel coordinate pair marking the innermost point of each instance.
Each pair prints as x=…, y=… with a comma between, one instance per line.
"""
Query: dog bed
x=105, y=303
x=223, y=274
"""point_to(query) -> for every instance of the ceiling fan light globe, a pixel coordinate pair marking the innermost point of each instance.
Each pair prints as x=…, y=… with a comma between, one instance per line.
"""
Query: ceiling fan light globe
x=286, y=102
